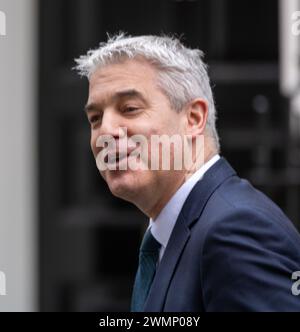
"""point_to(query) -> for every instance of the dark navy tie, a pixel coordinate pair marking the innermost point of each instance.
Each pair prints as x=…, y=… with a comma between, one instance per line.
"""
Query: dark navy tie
x=148, y=257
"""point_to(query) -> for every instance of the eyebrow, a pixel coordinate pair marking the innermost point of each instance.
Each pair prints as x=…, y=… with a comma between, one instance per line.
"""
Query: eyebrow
x=130, y=93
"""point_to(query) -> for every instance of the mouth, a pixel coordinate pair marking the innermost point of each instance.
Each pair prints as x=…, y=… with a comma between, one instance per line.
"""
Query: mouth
x=114, y=159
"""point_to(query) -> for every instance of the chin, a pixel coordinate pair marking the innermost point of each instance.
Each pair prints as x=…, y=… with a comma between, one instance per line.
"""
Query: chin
x=122, y=184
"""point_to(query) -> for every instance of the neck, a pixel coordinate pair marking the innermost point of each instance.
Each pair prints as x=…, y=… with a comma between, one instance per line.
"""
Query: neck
x=172, y=186
x=167, y=195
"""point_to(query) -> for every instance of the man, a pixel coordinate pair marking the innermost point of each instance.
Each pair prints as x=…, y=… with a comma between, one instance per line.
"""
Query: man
x=214, y=243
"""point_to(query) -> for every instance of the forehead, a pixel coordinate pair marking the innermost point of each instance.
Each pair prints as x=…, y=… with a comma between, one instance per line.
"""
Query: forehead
x=130, y=74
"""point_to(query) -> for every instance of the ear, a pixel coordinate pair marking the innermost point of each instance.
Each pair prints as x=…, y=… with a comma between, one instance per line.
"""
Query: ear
x=196, y=113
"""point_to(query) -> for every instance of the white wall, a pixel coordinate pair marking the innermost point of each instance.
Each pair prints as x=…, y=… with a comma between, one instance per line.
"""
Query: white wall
x=18, y=176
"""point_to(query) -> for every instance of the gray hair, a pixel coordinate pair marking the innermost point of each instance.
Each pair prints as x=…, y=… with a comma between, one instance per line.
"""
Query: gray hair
x=182, y=75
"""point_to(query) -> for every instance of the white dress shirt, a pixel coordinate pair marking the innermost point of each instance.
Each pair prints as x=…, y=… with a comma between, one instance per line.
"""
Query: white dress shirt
x=162, y=226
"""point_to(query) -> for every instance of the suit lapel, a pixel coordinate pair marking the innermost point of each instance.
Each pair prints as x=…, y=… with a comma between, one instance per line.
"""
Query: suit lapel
x=190, y=213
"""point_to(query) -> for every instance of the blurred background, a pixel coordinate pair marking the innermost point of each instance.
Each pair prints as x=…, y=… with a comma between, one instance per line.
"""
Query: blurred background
x=59, y=224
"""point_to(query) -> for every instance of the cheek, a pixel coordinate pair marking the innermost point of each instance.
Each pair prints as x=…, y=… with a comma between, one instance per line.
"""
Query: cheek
x=93, y=140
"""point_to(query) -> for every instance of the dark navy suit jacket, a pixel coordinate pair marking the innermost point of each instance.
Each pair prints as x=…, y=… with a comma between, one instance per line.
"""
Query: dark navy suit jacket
x=232, y=249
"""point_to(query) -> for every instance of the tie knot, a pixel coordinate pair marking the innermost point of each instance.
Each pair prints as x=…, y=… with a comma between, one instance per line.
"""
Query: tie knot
x=149, y=243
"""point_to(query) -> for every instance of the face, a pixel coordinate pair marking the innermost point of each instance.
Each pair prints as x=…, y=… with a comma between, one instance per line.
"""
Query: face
x=126, y=95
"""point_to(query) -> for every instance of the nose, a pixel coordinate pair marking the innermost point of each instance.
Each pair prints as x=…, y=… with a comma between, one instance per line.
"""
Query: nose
x=110, y=124
x=107, y=130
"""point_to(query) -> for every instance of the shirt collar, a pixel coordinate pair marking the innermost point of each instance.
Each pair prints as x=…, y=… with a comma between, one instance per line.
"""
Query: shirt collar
x=162, y=226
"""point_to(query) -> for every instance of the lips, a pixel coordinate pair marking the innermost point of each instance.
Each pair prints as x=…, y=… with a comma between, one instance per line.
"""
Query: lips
x=114, y=157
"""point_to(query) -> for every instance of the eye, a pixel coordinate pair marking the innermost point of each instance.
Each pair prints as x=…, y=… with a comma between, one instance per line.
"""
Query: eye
x=130, y=109
x=94, y=118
